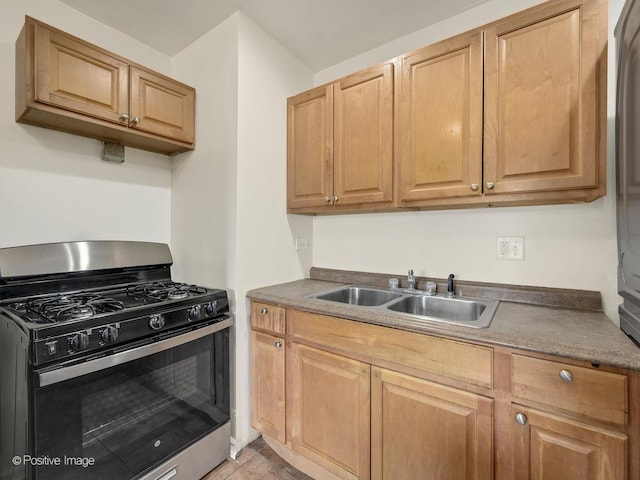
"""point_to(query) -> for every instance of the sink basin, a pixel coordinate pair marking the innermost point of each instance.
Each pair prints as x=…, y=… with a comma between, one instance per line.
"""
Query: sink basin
x=462, y=311
x=368, y=297
x=468, y=311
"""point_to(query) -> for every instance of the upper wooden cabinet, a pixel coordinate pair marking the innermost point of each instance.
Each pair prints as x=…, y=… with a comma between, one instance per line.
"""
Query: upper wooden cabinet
x=439, y=147
x=67, y=84
x=340, y=143
x=545, y=101
x=512, y=113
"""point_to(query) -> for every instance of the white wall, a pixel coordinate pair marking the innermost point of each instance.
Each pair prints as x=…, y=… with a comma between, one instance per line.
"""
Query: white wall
x=265, y=254
x=567, y=246
x=54, y=186
x=203, y=204
x=229, y=222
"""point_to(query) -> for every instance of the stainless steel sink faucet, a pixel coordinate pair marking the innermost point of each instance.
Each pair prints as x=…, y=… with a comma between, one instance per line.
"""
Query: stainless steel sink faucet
x=411, y=280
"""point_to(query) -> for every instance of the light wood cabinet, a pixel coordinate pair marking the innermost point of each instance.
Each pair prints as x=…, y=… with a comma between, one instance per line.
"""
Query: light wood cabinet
x=268, y=370
x=268, y=385
x=567, y=421
x=329, y=410
x=421, y=429
x=368, y=401
x=549, y=447
x=65, y=83
x=439, y=134
x=588, y=392
x=545, y=101
x=340, y=143
x=510, y=113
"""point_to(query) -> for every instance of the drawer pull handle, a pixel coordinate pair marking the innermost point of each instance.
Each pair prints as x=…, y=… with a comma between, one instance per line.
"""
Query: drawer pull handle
x=566, y=376
x=264, y=311
x=278, y=344
x=521, y=419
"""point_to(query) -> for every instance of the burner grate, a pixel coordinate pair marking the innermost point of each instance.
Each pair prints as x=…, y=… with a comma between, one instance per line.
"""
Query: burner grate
x=165, y=291
x=64, y=307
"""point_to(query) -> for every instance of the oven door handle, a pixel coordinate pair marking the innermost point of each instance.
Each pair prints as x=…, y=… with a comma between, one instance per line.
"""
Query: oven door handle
x=58, y=375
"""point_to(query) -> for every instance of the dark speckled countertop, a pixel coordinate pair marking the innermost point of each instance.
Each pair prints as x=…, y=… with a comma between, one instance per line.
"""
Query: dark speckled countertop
x=583, y=335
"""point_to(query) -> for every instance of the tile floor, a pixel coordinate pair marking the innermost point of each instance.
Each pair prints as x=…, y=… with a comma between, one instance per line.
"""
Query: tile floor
x=256, y=462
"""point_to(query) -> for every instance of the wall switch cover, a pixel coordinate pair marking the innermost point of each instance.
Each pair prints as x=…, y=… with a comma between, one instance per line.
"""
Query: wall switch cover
x=510, y=248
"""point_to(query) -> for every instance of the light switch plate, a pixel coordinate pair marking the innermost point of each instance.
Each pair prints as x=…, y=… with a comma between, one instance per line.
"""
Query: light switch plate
x=510, y=248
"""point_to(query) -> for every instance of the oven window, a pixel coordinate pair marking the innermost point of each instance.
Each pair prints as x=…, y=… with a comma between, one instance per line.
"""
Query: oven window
x=122, y=421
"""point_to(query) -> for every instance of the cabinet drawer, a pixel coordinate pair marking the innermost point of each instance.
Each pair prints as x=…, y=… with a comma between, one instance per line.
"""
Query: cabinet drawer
x=268, y=317
x=592, y=393
x=455, y=360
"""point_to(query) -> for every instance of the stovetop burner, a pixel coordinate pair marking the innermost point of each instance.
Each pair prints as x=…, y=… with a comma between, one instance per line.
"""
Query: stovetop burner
x=63, y=307
x=168, y=290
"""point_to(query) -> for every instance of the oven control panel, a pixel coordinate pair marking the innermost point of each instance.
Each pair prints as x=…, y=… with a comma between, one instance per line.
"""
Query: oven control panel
x=91, y=339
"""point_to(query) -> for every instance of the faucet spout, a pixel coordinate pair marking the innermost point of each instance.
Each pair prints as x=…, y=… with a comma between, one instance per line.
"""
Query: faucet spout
x=450, y=292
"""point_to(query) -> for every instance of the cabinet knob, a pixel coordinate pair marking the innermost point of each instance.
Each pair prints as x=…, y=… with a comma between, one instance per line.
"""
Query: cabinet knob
x=474, y=187
x=264, y=311
x=124, y=116
x=566, y=376
x=327, y=199
x=490, y=185
x=135, y=120
x=336, y=199
x=521, y=418
x=278, y=344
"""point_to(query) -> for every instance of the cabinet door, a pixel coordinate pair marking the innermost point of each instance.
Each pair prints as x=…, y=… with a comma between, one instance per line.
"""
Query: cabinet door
x=267, y=385
x=330, y=411
x=310, y=149
x=420, y=429
x=162, y=106
x=440, y=120
x=546, y=447
x=363, y=137
x=545, y=99
x=72, y=75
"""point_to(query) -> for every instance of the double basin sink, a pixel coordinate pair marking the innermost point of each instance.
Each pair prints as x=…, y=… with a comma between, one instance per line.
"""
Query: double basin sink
x=471, y=312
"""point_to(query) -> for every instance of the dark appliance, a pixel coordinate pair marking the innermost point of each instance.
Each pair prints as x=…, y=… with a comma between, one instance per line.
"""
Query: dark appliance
x=628, y=167
x=108, y=368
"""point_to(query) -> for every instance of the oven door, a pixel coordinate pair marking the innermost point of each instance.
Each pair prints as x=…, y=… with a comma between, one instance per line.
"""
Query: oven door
x=118, y=416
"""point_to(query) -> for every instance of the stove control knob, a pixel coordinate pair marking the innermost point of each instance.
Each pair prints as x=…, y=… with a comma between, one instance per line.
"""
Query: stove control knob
x=194, y=312
x=211, y=308
x=109, y=334
x=80, y=341
x=156, y=322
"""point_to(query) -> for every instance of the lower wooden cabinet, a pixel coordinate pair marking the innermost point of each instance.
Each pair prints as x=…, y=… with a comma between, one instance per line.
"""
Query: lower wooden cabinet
x=329, y=411
x=358, y=406
x=548, y=447
x=421, y=429
x=267, y=385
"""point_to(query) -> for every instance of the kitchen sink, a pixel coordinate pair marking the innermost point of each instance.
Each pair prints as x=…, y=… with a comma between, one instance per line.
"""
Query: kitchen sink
x=471, y=312
x=368, y=297
x=459, y=310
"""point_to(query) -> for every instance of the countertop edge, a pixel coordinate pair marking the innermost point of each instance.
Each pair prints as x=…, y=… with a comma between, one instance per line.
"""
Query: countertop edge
x=600, y=341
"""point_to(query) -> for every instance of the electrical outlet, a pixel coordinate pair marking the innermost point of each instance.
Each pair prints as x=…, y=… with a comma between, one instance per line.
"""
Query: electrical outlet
x=302, y=243
x=510, y=248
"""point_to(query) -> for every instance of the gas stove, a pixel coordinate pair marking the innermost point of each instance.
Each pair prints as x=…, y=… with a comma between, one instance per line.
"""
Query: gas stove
x=124, y=303
x=104, y=357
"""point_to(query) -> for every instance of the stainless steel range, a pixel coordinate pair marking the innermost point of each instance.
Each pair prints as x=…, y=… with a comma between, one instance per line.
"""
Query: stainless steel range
x=108, y=368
